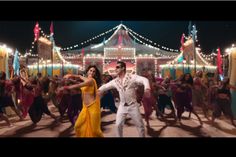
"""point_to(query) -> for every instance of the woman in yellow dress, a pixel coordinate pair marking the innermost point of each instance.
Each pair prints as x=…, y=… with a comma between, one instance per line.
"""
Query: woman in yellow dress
x=88, y=123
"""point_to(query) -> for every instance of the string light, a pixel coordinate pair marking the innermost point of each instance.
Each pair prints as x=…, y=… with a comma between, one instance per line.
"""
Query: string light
x=131, y=31
x=197, y=52
x=117, y=28
x=101, y=44
x=93, y=38
x=32, y=44
x=136, y=36
x=148, y=40
x=158, y=49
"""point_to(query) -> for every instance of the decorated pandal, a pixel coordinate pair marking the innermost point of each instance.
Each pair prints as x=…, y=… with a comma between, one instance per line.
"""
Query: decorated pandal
x=51, y=61
x=120, y=46
x=185, y=62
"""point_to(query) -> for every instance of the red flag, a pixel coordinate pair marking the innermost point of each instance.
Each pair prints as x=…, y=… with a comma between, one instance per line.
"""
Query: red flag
x=182, y=42
x=51, y=29
x=36, y=31
x=219, y=62
x=82, y=52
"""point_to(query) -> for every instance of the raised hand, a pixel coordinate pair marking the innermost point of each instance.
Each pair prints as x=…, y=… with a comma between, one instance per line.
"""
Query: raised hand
x=67, y=76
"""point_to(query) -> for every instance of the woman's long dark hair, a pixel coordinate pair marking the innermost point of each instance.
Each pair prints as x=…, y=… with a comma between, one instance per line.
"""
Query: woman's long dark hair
x=97, y=76
x=189, y=81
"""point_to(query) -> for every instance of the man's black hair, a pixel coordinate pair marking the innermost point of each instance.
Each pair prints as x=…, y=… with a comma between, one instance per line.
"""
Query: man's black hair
x=122, y=64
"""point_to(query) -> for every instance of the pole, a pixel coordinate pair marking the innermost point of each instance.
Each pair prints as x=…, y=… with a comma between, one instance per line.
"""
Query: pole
x=194, y=49
x=6, y=64
x=38, y=66
x=188, y=64
x=46, y=69
x=62, y=68
x=52, y=58
x=52, y=45
x=38, y=56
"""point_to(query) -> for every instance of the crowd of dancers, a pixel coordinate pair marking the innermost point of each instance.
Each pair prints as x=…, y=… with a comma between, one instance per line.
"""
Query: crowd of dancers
x=82, y=97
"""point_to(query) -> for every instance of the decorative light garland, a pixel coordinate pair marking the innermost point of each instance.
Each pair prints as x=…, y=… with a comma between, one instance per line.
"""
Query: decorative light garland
x=57, y=50
x=32, y=44
x=131, y=31
x=117, y=28
x=101, y=44
x=151, y=41
x=150, y=45
x=197, y=49
x=93, y=38
x=208, y=57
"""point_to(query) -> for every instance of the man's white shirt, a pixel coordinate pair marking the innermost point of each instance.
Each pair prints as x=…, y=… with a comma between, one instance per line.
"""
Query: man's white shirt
x=127, y=88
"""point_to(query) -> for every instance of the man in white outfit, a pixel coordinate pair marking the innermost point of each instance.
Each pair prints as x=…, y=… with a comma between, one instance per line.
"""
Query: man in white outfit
x=126, y=85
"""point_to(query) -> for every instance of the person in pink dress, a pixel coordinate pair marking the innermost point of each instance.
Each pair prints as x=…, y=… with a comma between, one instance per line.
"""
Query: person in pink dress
x=26, y=99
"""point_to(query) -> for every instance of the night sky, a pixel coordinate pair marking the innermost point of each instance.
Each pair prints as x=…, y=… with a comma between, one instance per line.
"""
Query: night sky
x=211, y=34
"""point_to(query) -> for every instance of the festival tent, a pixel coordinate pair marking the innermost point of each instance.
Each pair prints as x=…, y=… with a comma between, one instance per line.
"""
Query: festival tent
x=122, y=37
x=123, y=44
x=185, y=61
